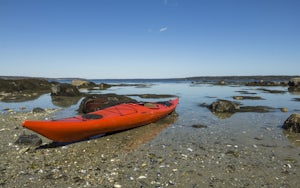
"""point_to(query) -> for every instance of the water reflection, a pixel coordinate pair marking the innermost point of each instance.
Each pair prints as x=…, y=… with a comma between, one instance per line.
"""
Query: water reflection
x=294, y=92
x=294, y=138
x=222, y=115
x=63, y=101
x=133, y=139
x=19, y=97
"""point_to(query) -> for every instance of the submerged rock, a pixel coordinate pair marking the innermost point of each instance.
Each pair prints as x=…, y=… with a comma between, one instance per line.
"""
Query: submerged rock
x=247, y=97
x=261, y=109
x=272, y=91
x=65, y=101
x=199, y=126
x=296, y=99
x=292, y=123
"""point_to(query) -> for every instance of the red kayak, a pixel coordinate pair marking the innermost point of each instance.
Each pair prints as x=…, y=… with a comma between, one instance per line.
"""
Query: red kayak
x=111, y=119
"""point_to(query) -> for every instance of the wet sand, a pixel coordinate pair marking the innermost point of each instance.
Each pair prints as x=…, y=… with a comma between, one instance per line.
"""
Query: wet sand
x=161, y=154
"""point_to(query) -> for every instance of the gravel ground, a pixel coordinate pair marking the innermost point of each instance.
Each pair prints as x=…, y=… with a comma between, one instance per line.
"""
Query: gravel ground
x=148, y=156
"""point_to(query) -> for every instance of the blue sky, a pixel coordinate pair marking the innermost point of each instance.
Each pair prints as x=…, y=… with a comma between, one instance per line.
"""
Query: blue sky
x=149, y=38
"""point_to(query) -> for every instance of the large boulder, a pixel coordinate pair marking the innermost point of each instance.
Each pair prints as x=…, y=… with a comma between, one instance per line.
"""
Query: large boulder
x=82, y=83
x=221, y=106
x=25, y=84
x=294, y=85
x=225, y=109
x=23, y=89
x=294, y=82
x=292, y=123
x=65, y=90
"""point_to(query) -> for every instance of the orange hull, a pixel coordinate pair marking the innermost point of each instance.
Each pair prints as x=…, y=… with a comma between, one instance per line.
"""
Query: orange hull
x=116, y=118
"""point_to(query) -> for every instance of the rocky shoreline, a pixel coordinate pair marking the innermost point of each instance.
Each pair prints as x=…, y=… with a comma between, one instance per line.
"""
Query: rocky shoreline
x=128, y=159
x=198, y=155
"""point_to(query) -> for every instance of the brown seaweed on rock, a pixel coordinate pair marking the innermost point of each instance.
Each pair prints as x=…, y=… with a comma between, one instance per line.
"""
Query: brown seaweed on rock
x=292, y=123
x=95, y=102
x=23, y=89
x=225, y=109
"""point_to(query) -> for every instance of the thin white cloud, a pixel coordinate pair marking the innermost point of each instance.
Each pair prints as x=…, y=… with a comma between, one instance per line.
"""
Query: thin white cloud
x=170, y=3
x=163, y=29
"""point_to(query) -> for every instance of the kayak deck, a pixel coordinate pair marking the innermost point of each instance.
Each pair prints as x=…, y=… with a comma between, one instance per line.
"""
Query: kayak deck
x=111, y=119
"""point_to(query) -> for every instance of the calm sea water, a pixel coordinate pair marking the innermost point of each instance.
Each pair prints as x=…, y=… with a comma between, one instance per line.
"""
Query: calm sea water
x=189, y=110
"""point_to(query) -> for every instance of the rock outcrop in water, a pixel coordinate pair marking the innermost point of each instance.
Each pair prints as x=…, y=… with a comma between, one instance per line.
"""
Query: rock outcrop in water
x=292, y=123
x=65, y=90
x=295, y=82
x=26, y=84
x=83, y=83
x=225, y=108
x=294, y=85
x=23, y=89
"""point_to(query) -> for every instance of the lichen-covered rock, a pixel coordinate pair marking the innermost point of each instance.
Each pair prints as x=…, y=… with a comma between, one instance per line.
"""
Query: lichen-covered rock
x=294, y=82
x=82, y=83
x=294, y=86
x=292, y=123
x=65, y=90
x=26, y=84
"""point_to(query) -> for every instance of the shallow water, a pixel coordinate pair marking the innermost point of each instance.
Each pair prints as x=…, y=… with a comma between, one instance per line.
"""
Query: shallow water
x=191, y=97
x=238, y=150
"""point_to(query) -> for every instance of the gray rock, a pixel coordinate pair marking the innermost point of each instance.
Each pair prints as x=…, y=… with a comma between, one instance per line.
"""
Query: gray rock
x=294, y=85
x=64, y=90
x=292, y=123
x=38, y=110
x=82, y=83
x=224, y=106
x=294, y=81
x=31, y=139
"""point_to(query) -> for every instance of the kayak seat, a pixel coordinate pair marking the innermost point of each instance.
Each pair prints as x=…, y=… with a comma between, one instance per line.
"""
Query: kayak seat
x=91, y=116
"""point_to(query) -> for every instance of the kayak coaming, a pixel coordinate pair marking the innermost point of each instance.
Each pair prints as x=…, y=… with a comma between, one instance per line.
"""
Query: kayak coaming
x=115, y=118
